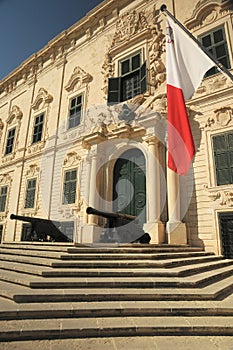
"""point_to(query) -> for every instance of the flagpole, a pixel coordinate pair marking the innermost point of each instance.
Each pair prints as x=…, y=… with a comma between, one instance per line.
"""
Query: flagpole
x=219, y=65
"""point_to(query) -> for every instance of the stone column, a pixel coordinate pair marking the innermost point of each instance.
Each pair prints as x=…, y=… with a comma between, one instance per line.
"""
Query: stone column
x=91, y=231
x=154, y=226
x=176, y=230
x=87, y=187
x=92, y=220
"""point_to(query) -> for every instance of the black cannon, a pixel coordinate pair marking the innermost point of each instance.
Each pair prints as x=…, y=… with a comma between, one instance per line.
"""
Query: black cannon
x=123, y=228
x=42, y=228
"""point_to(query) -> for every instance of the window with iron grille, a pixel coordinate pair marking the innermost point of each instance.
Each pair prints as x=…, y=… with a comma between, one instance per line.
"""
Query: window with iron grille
x=130, y=83
x=38, y=128
x=3, y=196
x=223, y=157
x=215, y=42
x=70, y=182
x=75, y=112
x=10, y=141
x=30, y=194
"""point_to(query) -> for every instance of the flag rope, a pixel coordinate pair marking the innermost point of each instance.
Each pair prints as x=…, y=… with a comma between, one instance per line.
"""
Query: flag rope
x=219, y=65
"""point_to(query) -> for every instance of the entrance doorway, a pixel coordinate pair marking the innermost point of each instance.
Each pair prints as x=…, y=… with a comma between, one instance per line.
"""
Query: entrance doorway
x=226, y=231
x=129, y=184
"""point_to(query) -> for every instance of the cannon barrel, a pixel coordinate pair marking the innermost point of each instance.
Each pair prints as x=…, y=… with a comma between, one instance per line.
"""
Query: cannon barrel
x=24, y=218
x=43, y=226
x=110, y=215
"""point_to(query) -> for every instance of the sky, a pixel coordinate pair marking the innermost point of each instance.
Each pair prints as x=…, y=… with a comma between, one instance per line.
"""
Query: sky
x=28, y=25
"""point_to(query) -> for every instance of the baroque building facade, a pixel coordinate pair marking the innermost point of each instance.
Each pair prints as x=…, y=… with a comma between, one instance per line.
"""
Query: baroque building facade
x=83, y=123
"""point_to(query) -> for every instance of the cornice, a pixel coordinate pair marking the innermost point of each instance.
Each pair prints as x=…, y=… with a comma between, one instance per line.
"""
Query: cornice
x=64, y=42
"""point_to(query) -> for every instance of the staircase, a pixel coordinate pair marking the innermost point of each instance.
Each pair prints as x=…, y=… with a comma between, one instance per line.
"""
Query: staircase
x=58, y=291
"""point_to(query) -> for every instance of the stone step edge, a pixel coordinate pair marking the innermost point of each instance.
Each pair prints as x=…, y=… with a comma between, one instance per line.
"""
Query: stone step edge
x=51, y=272
x=102, y=256
x=114, y=332
x=114, y=312
x=69, y=297
x=90, y=264
x=43, y=283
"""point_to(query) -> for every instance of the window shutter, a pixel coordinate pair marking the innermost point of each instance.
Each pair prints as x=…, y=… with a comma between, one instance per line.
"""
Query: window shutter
x=113, y=90
x=143, y=80
x=223, y=159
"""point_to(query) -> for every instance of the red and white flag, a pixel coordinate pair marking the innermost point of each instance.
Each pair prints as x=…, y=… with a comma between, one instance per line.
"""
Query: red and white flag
x=186, y=67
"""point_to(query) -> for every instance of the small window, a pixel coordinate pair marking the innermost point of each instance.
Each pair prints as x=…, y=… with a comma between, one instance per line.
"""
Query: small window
x=75, y=111
x=215, y=42
x=130, y=83
x=3, y=196
x=30, y=194
x=223, y=157
x=69, y=194
x=10, y=141
x=38, y=128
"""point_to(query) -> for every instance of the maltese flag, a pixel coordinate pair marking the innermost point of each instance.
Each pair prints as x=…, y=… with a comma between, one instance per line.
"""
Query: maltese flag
x=186, y=67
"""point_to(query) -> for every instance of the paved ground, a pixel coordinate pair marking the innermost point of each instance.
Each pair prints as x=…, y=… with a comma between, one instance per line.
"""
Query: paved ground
x=136, y=343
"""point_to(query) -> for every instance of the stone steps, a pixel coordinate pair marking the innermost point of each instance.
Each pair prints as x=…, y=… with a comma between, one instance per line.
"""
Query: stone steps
x=23, y=294
x=167, y=281
x=59, y=262
x=110, y=327
x=61, y=292
x=114, y=308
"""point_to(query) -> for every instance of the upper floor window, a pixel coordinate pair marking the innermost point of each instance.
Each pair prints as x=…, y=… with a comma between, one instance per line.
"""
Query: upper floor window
x=215, y=42
x=3, y=195
x=30, y=193
x=131, y=82
x=223, y=157
x=75, y=111
x=38, y=128
x=69, y=193
x=10, y=141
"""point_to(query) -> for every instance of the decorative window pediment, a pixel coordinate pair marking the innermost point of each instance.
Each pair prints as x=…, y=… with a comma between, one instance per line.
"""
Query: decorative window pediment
x=207, y=11
x=15, y=115
x=78, y=79
x=42, y=99
x=222, y=117
x=72, y=159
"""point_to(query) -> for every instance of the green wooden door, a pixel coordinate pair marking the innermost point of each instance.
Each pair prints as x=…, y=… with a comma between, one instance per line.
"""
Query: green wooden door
x=129, y=185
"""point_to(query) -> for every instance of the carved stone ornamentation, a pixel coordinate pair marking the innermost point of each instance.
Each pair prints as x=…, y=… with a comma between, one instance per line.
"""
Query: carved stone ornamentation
x=224, y=197
x=72, y=159
x=128, y=27
x=222, y=117
x=129, y=24
x=78, y=79
x=33, y=170
x=206, y=12
x=42, y=99
x=107, y=71
x=14, y=115
x=156, y=49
